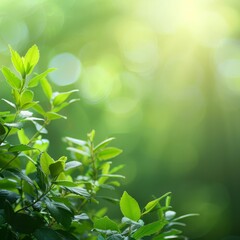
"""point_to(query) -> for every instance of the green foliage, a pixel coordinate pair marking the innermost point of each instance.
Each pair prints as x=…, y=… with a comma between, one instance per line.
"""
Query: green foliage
x=45, y=198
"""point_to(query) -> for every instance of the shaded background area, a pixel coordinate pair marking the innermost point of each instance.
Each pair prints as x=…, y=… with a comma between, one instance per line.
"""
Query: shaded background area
x=163, y=77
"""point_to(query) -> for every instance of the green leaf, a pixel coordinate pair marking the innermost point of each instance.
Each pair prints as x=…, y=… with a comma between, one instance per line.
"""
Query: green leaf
x=78, y=191
x=17, y=125
x=19, y=174
x=2, y=129
x=11, y=197
x=56, y=168
x=171, y=234
x=35, y=80
x=103, y=144
x=106, y=223
x=7, y=183
x=24, y=223
x=31, y=59
x=65, y=183
x=150, y=206
x=47, y=89
x=17, y=62
x=129, y=207
x=38, y=108
x=46, y=234
x=109, y=153
x=26, y=97
x=20, y=148
x=42, y=179
x=76, y=141
x=45, y=162
x=149, y=229
x=72, y=164
x=60, y=213
x=59, y=98
x=11, y=78
x=81, y=152
x=9, y=103
x=53, y=116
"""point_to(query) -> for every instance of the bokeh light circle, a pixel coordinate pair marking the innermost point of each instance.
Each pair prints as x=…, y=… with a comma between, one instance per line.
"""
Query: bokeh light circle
x=68, y=69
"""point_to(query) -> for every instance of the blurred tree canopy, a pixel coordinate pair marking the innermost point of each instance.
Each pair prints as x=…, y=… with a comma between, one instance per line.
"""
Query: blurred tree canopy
x=163, y=77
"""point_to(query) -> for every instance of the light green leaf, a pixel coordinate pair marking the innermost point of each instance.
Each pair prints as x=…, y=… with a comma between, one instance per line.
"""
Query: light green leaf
x=72, y=164
x=38, y=108
x=31, y=59
x=81, y=152
x=149, y=229
x=53, y=116
x=11, y=78
x=26, y=97
x=35, y=80
x=17, y=62
x=17, y=125
x=47, y=89
x=106, y=223
x=109, y=153
x=103, y=144
x=129, y=207
x=76, y=141
x=59, y=98
x=45, y=162
x=23, y=139
x=150, y=206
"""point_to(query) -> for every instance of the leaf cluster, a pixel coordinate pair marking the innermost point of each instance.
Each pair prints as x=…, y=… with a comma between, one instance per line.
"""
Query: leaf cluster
x=46, y=198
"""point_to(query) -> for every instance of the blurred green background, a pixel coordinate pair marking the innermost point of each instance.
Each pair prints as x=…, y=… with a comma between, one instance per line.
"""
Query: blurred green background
x=163, y=77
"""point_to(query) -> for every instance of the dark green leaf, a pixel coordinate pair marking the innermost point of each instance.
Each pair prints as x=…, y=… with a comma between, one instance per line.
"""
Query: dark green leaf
x=24, y=223
x=149, y=229
x=78, y=191
x=2, y=129
x=11, y=197
x=11, y=78
x=65, y=183
x=41, y=179
x=60, y=213
x=109, y=153
x=129, y=207
x=46, y=234
x=56, y=168
x=16, y=172
x=7, y=183
x=20, y=148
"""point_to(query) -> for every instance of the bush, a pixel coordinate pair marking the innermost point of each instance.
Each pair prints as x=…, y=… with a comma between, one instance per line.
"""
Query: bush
x=44, y=198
